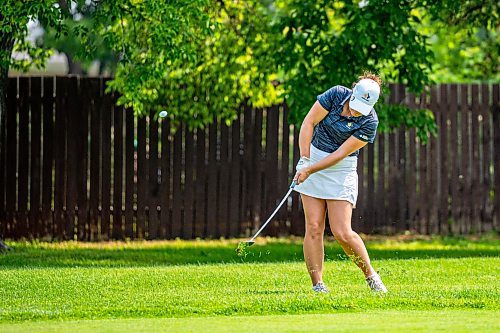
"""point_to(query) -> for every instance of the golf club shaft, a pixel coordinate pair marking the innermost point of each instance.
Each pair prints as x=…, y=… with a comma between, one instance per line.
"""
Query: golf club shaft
x=275, y=211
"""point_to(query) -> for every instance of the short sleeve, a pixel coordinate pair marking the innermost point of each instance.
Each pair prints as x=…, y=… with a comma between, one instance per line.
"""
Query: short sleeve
x=330, y=97
x=367, y=131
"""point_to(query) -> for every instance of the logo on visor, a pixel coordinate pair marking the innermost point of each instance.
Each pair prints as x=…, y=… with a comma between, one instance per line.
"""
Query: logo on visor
x=366, y=97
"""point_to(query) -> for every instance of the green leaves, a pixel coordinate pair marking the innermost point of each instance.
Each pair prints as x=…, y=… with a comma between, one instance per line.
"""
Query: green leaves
x=15, y=16
x=393, y=116
x=201, y=59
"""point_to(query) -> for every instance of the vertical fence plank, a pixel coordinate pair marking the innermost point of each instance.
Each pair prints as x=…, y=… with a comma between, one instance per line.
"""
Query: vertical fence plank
x=3, y=149
x=177, y=186
x=95, y=158
x=433, y=170
x=443, y=158
x=48, y=156
x=142, y=177
x=165, y=220
x=11, y=127
x=23, y=158
x=466, y=190
x=248, y=173
x=412, y=171
x=84, y=219
x=82, y=120
x=129, y=174
x=256, y=185
x=212, y=199
x=394, y=173
x=271, y=175
x=234, y=182
x=380, y=215
x=201, y=184
x=106, y=111
x=60, y=158
x=223, y=183
x=189, y=184
x=71, y=139
x=154, y=186
x=118, y=229
x=496, y=143
x=402, y=224
x=454, y=159
x=422, y=198
x=487, y=183
x=284, y=172
x=411, y=179
x=35, y=156
x=476, y=163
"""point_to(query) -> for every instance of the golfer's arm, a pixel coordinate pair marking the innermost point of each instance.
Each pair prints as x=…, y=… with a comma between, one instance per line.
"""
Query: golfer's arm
x=313, y=117
x=347, y=148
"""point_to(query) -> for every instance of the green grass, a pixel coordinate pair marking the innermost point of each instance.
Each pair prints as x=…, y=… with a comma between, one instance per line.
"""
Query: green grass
x=204, y=283
x=455, y=321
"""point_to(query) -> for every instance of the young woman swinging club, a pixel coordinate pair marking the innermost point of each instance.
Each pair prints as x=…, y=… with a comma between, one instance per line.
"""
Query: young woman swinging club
x=339, y=124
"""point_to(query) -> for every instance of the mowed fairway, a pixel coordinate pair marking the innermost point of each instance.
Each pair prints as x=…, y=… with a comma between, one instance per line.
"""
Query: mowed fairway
x=442, y=285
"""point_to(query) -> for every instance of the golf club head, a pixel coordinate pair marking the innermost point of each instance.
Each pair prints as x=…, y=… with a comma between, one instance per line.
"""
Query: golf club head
x=250, y=242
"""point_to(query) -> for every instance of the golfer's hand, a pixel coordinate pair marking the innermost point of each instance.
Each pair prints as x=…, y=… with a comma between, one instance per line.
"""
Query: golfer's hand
x=302, y=175
x=304, y=162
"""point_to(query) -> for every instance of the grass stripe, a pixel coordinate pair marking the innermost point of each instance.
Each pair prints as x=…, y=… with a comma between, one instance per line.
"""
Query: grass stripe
x=372, y=321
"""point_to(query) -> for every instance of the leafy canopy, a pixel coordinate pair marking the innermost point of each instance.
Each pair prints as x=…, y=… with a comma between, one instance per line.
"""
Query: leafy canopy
x=14, y=18
x=200, y=58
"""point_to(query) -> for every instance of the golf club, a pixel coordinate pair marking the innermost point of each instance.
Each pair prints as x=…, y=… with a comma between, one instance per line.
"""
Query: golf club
x=251, y=241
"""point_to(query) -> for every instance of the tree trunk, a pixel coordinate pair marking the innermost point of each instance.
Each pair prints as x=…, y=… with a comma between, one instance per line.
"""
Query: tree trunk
x=6, y=45
x=74, y=67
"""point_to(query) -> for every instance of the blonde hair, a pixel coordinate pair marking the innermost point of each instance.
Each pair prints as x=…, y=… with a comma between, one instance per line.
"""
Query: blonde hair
x=369, y=75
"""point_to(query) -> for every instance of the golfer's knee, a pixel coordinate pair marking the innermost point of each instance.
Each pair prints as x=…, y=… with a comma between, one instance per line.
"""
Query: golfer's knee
x=314, y=230
x=343, y=236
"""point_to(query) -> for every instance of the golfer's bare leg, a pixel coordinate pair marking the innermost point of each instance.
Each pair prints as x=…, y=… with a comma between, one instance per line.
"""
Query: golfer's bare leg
x=339, y=216
x=315, y=213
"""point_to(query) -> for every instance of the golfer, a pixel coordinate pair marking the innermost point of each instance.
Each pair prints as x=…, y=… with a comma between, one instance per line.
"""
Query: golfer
x=339, y=124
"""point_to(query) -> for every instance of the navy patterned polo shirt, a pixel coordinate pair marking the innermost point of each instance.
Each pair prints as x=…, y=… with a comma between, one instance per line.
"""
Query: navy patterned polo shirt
x=331, y=132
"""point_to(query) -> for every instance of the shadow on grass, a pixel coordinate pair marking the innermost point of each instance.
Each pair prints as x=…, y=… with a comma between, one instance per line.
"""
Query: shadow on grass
x=26, y=255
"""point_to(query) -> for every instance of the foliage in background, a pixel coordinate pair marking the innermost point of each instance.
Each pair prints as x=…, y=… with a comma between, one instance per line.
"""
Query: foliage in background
x=200, y=58
x=465, y=56
x=463, y=36
x=14, y=18
x=302, y=47
x=229, y=69
x=75, y=48
x=327, y=43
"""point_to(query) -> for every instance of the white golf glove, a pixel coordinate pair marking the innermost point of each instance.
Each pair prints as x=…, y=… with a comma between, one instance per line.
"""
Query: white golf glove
x=304, y=162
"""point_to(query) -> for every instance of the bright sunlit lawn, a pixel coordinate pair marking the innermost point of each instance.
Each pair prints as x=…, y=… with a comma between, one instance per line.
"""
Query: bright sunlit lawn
x=439, y=285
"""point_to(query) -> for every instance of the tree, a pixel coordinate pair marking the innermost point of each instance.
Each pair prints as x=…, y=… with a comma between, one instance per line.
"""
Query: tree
x=302, y=47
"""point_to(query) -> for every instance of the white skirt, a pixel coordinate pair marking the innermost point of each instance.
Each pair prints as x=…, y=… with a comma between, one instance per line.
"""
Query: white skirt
x=339, y=182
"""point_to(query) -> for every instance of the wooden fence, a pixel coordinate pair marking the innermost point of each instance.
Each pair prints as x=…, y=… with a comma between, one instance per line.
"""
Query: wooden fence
x=75, y=166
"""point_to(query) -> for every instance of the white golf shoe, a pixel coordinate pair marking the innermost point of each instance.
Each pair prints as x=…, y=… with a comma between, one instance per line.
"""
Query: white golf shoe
x=375, y=283
x=320, y=288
